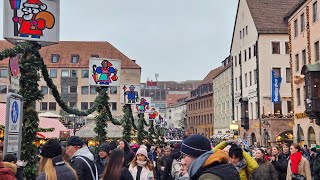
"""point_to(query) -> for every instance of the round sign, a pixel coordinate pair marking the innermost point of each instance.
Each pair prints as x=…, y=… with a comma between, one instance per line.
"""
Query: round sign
x=14, y=112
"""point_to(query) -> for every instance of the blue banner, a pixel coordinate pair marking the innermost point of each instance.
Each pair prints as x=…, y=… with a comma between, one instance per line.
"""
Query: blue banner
x=275, y=89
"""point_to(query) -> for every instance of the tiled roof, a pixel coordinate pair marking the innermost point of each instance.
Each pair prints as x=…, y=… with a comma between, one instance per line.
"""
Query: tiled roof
x=82, y=48
x=268, y=15
x=173, y=98
x=212, y=74
x=294, y=9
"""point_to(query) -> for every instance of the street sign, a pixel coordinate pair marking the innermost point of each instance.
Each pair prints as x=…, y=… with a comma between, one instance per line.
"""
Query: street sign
x=13, y=126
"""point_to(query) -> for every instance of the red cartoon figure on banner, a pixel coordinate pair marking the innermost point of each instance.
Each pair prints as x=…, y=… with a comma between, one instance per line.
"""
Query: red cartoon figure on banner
x=34, y=20
x=103, y=74
x=143, y=106
x=153, y=114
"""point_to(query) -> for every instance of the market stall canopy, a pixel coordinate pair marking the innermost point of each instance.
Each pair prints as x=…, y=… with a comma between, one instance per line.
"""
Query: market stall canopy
x=49, y=115
x=44, y=123
x=87, y=131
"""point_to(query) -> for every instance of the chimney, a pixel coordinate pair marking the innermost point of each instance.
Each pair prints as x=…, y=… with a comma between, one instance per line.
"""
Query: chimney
x=133, y=60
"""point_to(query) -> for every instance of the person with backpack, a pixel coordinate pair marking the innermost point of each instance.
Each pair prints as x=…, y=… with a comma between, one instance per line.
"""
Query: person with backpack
x=204, y=163
x=82, y=160
x=52, y=166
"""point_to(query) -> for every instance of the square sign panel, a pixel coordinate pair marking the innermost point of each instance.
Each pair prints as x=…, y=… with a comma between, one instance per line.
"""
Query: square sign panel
x=104, y=72
x=130, y=93
x=31, y=20
x=143, y=105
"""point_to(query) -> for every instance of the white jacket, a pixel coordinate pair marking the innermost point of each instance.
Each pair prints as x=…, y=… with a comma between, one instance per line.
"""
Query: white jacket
x=145, y=173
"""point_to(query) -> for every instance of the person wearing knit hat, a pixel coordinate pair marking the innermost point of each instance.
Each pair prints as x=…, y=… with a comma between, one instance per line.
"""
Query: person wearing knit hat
x=193, y=147
x=141, y=167
x=51, y=157
x=103, y=157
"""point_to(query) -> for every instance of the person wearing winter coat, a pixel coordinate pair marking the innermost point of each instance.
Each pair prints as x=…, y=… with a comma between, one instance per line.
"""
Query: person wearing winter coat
x=141, y=167
x=115, y=169
x=102, y=158
x=6, y=173
x=13, y=162
x=280, y=160
x=52, y=166
x=172, y=168
x=128, y=154
x=316, y=167
x=81, y=159
x=265, y=170
x=163, y=162
x=297, y=165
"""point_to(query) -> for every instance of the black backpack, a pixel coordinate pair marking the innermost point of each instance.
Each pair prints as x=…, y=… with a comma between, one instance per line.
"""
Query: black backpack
x=224, y=171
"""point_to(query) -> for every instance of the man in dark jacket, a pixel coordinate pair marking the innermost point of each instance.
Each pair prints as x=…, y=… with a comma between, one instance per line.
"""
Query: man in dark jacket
x=102, y=158
x=82, y=160
x=316, y=167
x=163, y=161
x=175, y=155
x=128, y=154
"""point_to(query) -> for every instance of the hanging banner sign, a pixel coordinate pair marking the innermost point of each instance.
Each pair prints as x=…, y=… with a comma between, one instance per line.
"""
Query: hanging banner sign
x=153, y=114
x=129, y=93
x=31, y=20
x=275, y=87
x=104, y=72
x=143, y=105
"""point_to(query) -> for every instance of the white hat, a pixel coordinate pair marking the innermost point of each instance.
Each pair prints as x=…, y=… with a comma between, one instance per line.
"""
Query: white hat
x=142, y=151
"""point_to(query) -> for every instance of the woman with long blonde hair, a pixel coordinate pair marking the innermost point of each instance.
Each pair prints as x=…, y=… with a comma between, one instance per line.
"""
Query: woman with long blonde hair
x=141, y=167
x=52, y=166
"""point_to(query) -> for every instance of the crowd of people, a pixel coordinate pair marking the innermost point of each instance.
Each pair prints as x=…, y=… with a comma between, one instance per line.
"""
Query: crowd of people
x=193, y=159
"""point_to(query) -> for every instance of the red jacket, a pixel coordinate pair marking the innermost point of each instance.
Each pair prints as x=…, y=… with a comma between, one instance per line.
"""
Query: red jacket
x=6, y=173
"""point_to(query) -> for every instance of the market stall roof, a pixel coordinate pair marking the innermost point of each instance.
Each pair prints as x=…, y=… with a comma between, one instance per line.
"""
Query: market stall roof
x=87, y=131
x=49, y=115
x=44, y=123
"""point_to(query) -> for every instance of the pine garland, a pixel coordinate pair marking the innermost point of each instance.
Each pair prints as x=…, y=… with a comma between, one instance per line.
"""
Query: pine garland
x=141, y=131
x=101, y=119
x=19, y=49
x=127, y=122
x=151, y=133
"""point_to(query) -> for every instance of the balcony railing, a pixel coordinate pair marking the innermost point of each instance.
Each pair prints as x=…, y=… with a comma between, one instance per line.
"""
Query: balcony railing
x=69, y=81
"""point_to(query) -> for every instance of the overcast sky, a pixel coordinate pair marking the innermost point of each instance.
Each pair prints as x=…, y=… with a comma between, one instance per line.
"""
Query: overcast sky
x=178, y=39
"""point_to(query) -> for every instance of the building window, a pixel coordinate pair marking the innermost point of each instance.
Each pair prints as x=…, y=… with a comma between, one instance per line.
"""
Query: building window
x=64, y=90
x=315, y=11
x=73, y=104
x=53, y=73
x=236, y=82
x=289, y=107
x=277, y=71
x=55, y=58
x=246, y=79
x=235, y=60
x=249, y=51
x=95, y=55
x=255, y=76
x=243, y=33
x=245, y=55
x=296, y=28
x=297, y=62
x=246, y=30
x=43, y=106
x=74, y=58
x=254, y=50
x=275, y=47
x=303, y=22
x=64, y=73
x=316, y=51
x=240, y=58
x=84, y=106
x=93, y=90
x=288, y=75
x=84, y=89
x=3, y=89
x=73, y=89
x=91, y=104
x=304, y=57
x=298, y=97
x=52, y=106
x=44, y=90
x=113, y=106
x=277, y=109
x=240, y=35
x=287, y=47
x=251, y=108
x=210, y=102
x=250, y=78
x=113, y=90
x=85, y=73
x=3, y=73
x=73, y=73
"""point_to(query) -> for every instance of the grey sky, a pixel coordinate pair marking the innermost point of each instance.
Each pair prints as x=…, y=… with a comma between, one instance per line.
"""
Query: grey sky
x=179, y=39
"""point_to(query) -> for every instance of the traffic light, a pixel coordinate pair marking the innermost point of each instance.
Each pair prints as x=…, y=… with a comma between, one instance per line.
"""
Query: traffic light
x=244, y=113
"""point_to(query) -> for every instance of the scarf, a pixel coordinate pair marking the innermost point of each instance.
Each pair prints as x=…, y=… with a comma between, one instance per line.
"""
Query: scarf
x=240, y=165
x=141, y=163
x=295, y=159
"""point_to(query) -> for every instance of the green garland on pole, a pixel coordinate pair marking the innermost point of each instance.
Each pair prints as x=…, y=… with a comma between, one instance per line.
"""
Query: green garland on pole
x=151, y=133
x=141, y=131
x=127, y=122
x=101, y=119
x=158, y=135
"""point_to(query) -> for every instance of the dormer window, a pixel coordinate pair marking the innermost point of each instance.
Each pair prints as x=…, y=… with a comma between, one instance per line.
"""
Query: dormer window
x=55, y=58
x=75, y=58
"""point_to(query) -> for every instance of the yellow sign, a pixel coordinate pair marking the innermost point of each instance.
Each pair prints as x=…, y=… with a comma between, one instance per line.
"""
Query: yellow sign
x=301, y=115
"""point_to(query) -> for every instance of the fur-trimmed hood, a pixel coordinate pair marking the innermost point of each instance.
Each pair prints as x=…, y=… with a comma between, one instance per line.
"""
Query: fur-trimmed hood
x=11, y=166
